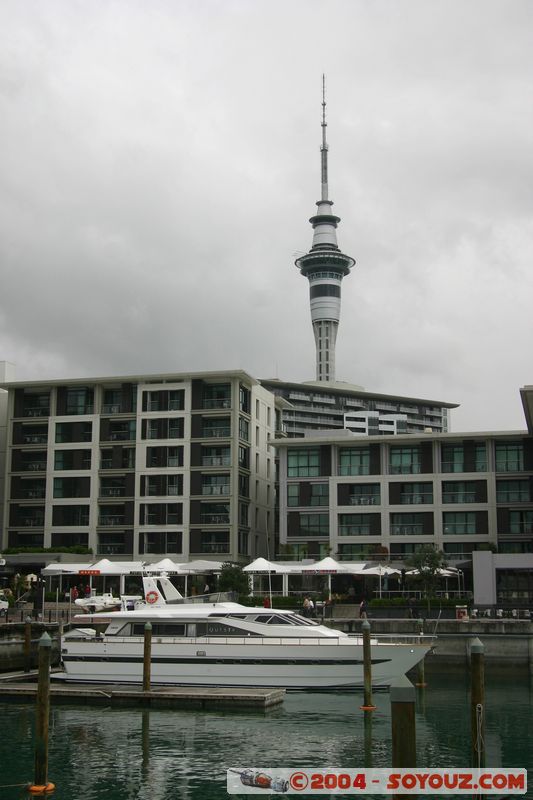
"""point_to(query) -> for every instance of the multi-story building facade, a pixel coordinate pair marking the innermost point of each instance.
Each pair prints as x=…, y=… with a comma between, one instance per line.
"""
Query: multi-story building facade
x=356, y=497
x=144, y=466
x=317, y=406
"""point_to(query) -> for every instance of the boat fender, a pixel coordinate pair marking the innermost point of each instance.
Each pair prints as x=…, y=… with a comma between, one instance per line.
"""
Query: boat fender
x=152, y=597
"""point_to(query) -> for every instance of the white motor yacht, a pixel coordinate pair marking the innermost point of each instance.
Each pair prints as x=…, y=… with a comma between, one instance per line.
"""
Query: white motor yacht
x=205, y=641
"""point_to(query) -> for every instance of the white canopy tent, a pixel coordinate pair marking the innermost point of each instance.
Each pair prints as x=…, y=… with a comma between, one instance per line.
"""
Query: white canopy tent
x=104, y=567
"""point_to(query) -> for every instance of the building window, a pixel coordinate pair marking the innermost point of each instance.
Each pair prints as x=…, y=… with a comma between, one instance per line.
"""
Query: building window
x=459, y=522
x=509, y=457
x=216, y=427
x=364, y=494
x=313, y=525
x=354, y=461
x=244, y=429
x=244, y=399
x=161, y=542
x=293, y=494
x=521, y=522
x=215, y=484
x=404, y=460
x=415, y=493
x=407, y=525
x=303, y=463
x=453, y=458
x=513, y=491
x=243, y=543
x=319, y=494
x=80, y=401
x=214, y=542
x=355, y=525
x=458, y=492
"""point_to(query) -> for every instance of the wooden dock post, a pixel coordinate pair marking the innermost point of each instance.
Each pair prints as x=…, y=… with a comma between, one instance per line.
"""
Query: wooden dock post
x=420, y=667
x=477, y=702
x=41, y=784
x=368, y=705
x=27, y=645
x=147, y=661
x=402, y=701
x=368, y=739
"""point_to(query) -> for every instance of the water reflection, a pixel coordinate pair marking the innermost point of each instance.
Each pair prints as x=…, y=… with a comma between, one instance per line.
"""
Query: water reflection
x=108, y=754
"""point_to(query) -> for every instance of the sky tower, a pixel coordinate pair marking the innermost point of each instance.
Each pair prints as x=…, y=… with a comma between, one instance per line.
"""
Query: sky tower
x=325, y=266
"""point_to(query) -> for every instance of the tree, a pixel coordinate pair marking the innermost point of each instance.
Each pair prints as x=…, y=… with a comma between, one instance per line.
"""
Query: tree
x=233, y=579
x=427, y=562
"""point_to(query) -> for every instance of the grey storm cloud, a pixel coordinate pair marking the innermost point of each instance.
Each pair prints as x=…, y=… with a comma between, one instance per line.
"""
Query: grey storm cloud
x=159, y=163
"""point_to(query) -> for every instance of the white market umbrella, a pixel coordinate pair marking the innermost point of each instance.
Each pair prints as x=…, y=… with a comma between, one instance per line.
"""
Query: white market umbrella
x=381, y=570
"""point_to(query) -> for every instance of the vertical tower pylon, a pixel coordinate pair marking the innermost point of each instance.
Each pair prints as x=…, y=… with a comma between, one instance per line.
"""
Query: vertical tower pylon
x=325, y=266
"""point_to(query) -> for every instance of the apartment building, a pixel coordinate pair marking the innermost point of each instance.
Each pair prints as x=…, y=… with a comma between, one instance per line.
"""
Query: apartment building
x=315, y=406
x=142, y=466
x=356, y=497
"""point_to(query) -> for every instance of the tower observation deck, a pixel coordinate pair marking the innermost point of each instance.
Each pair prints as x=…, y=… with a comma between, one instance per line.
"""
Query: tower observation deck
x=325, y=266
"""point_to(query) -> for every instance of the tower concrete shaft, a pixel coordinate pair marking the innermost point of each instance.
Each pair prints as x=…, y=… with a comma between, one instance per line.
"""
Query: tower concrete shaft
x=325, y=266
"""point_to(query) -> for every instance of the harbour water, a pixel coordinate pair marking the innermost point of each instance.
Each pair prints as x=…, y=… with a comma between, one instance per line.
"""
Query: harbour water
x=111, y=754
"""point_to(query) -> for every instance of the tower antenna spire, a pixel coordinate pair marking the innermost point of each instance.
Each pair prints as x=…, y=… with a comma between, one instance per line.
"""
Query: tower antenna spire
x=324, y=145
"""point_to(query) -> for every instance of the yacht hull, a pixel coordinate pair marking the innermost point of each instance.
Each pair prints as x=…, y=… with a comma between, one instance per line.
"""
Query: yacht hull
x=269, y=662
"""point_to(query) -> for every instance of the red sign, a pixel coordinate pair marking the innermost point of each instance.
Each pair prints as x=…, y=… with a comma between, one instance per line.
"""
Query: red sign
x=89, y=572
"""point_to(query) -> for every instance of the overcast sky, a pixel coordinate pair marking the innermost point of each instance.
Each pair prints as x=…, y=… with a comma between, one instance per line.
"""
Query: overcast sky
x=159, y=162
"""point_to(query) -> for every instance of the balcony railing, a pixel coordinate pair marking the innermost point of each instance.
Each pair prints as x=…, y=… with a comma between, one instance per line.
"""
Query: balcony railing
x=34, y=494
x=406, y=530
x=32, y=522
x=214, y=548
x=216, y=433
x=121, y=436
x=364, y=500
x=453, y=466
x=404, y=469
x=111, y=408
x=224, y=489
x=77, y=410
x=36, y=438
x=354, y=530
x=112, y=491
x=458, y=497
x=106, y=463
x=34, y=466
x=415, y=499
x=111, y=520
x=513, y=497
x=216, y=402
x=174, y=461
x=459, y=529
x=216, y=461
x=215, y=519
x=510, y=465
x=36, y=411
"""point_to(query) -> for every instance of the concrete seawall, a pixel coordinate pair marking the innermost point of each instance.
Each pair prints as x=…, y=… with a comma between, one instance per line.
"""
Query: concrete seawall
x=507, y=642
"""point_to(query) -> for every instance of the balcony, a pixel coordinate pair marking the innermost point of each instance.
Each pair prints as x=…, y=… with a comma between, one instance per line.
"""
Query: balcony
x=216, y=402
x=364, y=500
x=111, y=408
x=120, y=436
x=458, y=497
x=112, y=491
x=34, y=466
x=36, y=411
x=35, y=438
x=416, y=499
x=216, y=490
x=174, y=461
x=216, y=433
x=111, y=520
x=404, y=469
x=407, y=530
x=355, y=530
x=510, y=465
x=214, y=548
x=106, y=463
x=32, y=522
x=34, y=494
x=216, y=461
x=215, y=519
x=78, y=410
